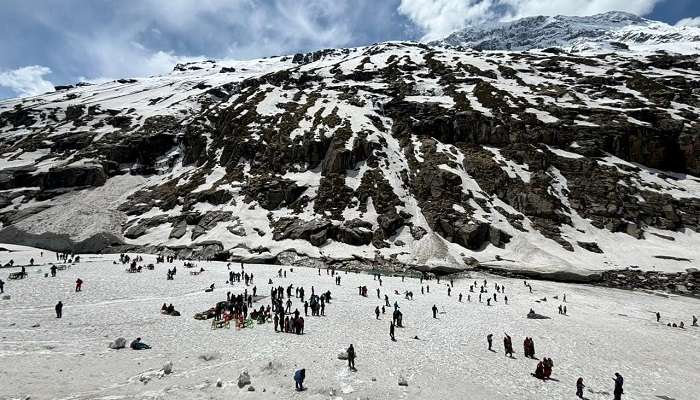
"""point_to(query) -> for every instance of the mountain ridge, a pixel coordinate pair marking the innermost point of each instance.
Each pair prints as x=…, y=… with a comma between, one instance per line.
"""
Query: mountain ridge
x=601, y=32
x=399, y=152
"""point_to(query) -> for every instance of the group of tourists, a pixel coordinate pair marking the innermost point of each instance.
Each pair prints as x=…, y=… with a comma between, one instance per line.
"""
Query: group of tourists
x=544, y=369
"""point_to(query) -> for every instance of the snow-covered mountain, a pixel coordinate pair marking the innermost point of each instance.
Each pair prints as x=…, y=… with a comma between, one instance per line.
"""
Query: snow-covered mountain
x=398, y=152
x=609, y=31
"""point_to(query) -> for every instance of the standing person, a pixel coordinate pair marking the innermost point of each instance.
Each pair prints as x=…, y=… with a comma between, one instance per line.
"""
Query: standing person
x=435, y=310
x=579, y=388
x=391, y=331
x=658, y=316
x=276, y=321
x=351, y=357
x=59, y=310
x=2, y=286
x=78, y=285
x=53, y=271
x=489, y=339
x=376, y=312
x=299, y=377
x=508, y=345
x=619, y=380
x=695, y=319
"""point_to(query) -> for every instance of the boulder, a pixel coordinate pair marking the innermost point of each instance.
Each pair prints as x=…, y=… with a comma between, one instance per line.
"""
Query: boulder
x=243, y=379
x=168, y=368
x=118, y=343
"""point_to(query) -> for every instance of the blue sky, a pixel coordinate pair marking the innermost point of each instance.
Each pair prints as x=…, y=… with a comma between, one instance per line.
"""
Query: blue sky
x=49, y=42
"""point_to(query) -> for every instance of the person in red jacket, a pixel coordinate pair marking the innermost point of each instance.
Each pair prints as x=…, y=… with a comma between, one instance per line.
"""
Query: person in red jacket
x=78, y=285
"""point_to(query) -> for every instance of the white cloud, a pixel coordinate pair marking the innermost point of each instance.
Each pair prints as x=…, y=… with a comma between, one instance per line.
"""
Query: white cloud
x=438, y=18
x=689, y=22
x=27, y=81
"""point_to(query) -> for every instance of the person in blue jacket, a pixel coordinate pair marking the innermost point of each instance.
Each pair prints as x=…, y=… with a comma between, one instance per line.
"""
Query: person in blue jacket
x=299, y=379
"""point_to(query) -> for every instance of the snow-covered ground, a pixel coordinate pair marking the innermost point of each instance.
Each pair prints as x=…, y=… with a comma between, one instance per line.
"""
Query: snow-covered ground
x=606, y=331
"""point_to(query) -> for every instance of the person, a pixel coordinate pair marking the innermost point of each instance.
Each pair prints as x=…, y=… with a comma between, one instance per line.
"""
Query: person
x=137, y=344
x=658, y=316
x=695, y=319
x=299, y=377
x=508, y=345
x=351, y=357
x=579, y=388
x=539, y=371
x=548, y=364
x=78, y=285
x=53, y=271
x=376, y=312
x=435, y=309
x=489, y=339
x=2, y=286
x=619, y=380
x=391, y=331
x=59, y=310
x=460, y=297
x=276, y=321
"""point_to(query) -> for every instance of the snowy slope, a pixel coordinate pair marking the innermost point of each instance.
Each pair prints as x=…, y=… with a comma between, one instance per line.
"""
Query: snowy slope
x=601, y=32
x=398, y=152
x=606, y=331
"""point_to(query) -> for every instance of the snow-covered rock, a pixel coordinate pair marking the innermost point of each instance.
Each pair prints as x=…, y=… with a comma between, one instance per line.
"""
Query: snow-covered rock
x=243, y=378
x=118, y=343
x=611, y=31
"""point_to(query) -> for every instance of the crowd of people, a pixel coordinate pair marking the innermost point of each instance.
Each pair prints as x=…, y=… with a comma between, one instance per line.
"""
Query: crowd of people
x=285, y=303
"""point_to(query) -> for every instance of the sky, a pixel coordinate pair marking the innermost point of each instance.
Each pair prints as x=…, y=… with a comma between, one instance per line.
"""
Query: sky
x=51, y=42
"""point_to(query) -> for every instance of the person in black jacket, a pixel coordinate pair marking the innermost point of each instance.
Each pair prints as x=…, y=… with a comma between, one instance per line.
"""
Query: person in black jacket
x=617, y=392
x=351, y=357
x=59, y=310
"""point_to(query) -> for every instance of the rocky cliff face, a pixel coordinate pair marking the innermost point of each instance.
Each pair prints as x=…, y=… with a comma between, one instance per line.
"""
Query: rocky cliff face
x=403, y=152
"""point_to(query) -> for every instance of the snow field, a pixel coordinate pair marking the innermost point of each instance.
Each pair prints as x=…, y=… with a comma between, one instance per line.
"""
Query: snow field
x=606, y=331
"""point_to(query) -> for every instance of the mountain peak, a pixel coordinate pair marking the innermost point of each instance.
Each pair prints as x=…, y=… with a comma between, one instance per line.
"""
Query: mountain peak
x=606, y=31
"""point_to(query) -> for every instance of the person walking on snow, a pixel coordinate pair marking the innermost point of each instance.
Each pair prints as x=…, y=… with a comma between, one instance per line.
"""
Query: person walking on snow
x=391, y=331
x=619, y=380
x=59, y=310
x=489, y=339
x=78, y=285
x=435, y=310
x=658, y=316
x=508, y=345
x=351, y=357
x=2, y=286
x=376, y=312
x=579, y=388
x=299, y=377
